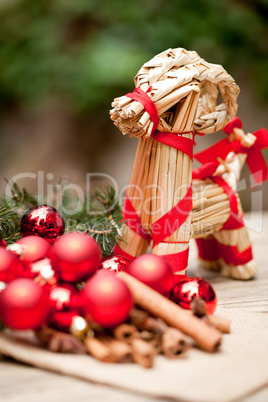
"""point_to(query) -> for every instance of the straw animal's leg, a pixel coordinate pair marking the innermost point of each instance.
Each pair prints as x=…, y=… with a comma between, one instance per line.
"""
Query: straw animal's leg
x=235, y=250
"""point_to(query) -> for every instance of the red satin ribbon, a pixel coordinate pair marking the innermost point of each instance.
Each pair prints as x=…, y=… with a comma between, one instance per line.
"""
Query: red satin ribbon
x=234, y=221
x=177, y=261
x=207, y=249
x=142, y=97
x=133, y=220
x=235, y=122
x=231, y=255
x=119, y=251
x=212, y=250
x=176, y=141
x=173, y=219
x=255, y=159
x=205, y=171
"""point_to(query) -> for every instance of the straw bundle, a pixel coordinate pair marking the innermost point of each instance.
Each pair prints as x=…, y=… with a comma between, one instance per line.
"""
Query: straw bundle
x=170, y=77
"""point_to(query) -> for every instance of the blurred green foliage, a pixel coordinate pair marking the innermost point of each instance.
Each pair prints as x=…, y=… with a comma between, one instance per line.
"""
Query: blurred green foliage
x=88, y=51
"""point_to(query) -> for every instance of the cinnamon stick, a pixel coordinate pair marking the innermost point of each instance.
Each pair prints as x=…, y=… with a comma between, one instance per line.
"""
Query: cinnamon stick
x=174, y=344
x=99, y=350
x=155, y=339
x=120, y=350
x=125, y=332
x=57, y=341
x=198, y=307
x=207, y=338
x=143, y=321
x=143, y=353
x=222, y=324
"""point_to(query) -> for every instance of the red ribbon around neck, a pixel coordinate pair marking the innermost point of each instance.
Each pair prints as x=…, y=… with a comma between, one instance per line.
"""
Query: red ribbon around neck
x=176, y=141
x=142, y=97
x=255, y=159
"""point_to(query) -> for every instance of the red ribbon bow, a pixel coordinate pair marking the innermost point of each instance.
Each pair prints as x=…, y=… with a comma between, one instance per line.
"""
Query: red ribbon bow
x=255, y=160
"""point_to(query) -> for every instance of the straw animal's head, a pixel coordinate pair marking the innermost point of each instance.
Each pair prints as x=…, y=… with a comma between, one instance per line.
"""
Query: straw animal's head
x=184, y=90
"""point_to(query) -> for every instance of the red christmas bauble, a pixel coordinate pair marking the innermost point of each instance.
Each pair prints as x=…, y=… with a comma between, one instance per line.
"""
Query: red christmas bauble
x=43, y=221
x=75, y=257
x=154, y=271
x=106, y=299
x=34, y=248
x=115, y=263
x=23, y=304
x=64, y=297
x=188, y=288
x=2, y=243
x=63, y=321
x=42, y=273
x=3, y=285
x=10, y=266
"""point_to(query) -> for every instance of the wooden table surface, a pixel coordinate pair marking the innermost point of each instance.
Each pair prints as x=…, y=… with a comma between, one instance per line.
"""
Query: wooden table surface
x=21, y=383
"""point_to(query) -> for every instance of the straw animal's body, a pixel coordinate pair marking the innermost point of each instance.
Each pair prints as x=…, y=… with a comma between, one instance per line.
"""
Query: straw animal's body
x=177, y=93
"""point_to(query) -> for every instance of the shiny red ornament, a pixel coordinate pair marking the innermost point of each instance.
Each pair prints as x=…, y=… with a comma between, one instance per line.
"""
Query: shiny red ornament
x=115, y=263
x=106, y=299
x=3, y=285
x=75, y=257
x=64, y=297
x=34, y=248
x=10, y=266
x=62, y=321
x=23, y=304
x=42, y=272
x=2, y=243
x=154, y=271
x=188, y=288
x=43, y=221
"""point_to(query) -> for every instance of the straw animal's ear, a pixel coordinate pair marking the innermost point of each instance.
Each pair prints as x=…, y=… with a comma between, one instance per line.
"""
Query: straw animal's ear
x=212, y=117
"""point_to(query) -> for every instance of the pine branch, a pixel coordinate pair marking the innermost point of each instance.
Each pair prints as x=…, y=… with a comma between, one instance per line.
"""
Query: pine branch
x=104, y=220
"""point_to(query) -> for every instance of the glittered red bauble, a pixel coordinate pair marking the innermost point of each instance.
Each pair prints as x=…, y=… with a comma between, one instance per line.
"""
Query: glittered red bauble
x=34, y=248
x=75, y=257
x=188, y=288
x=154, y=271
x=115, y=263
x=106, y=299
x=10, y=266
x=64, y=297
x=43, y=221
x=23, y=304
x=2, y=243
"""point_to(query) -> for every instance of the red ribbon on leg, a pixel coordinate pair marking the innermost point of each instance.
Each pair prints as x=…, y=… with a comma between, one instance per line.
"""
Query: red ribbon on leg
x=207, y=249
